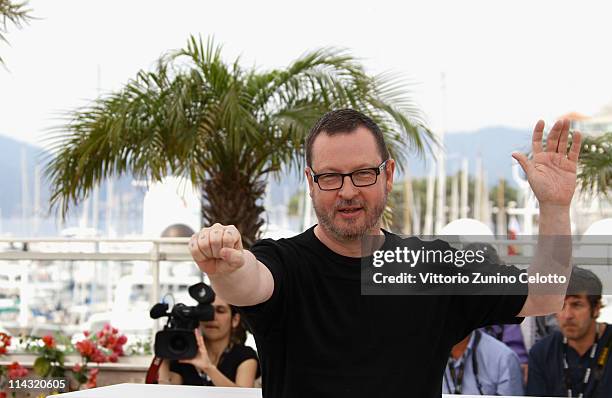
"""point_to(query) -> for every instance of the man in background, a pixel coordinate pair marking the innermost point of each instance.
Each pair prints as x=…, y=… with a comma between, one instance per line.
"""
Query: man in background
x=573, y=362
x=482, y=365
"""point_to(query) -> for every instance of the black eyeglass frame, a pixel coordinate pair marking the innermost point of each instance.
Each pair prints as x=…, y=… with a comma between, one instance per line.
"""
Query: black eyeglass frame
x=377, y=170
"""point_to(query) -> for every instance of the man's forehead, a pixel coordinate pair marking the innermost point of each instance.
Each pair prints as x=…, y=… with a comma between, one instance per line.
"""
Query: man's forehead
x=577, y=297
x=344, y=151
x=348, y=165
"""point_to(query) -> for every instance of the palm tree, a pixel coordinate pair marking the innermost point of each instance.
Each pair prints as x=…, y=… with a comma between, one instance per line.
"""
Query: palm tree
x=223, y=127
x=595, y=172
x=16, y=13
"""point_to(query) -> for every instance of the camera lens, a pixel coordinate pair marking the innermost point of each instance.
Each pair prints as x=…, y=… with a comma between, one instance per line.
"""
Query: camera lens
x=178, y=344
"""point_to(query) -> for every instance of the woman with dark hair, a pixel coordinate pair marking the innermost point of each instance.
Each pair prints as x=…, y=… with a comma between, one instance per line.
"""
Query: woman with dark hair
x=222, y=360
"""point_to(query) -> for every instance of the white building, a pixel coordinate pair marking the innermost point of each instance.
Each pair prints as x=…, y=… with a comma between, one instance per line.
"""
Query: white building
x=595, y=125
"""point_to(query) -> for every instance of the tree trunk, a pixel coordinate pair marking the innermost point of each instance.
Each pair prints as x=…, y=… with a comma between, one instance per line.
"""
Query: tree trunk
x=232, y=199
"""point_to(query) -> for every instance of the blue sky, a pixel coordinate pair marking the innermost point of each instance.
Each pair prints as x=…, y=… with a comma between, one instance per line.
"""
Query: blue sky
x=506, y=62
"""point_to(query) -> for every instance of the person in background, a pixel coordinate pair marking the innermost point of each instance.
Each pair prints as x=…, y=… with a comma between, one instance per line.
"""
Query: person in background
x=511, y=335
x=222, y=360
x=573, y=362
x=482, y=365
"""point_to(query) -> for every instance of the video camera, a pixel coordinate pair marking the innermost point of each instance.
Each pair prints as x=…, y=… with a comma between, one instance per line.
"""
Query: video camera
x=177, y=340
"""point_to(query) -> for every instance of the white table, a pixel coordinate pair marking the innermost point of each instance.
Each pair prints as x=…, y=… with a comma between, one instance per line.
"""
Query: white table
x=163, y=391
x=166, y=391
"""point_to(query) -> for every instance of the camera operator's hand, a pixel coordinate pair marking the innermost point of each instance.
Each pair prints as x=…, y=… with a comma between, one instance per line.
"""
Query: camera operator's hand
x=217, y=249
x=201, y=361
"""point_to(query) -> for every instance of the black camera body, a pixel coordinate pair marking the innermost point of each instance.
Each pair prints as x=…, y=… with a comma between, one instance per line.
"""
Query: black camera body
x=177, y=340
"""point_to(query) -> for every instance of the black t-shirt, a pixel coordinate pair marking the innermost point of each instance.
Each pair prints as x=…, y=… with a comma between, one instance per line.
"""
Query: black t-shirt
x=228, y=364
x=317, y=336
x=546, y=375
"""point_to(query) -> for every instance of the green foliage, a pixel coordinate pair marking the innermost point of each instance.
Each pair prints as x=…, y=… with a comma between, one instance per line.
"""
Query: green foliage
x=222, y=126
x=13, y=13
x=81, y=375
x=50, y=362
x=294, y=202
x=595, y=165
x=31, y=344
x=42, y=366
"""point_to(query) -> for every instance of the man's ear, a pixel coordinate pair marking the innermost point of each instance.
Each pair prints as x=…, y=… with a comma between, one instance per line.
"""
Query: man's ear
x=309, y=180
x=389, y=171
x=596, y=310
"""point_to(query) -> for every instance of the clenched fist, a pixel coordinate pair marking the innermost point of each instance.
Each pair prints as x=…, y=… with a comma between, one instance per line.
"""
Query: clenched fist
x=217, y=249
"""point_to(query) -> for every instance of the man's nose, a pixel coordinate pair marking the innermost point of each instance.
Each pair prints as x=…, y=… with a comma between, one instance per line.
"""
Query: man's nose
x=348, y=190
x=565, y=313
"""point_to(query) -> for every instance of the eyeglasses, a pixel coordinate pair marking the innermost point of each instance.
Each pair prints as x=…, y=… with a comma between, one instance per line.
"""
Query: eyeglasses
x=360, y=178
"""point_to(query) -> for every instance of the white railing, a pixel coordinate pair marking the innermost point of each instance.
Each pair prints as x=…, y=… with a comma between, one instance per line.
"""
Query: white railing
x=155, y=251
x=175, y=249
x=93, y=250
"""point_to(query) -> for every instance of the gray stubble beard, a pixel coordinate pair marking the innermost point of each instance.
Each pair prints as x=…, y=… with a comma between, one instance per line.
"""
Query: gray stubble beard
x=326, y=219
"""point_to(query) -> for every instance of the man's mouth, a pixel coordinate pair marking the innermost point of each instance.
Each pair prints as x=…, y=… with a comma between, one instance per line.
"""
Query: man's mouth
x=349, y=210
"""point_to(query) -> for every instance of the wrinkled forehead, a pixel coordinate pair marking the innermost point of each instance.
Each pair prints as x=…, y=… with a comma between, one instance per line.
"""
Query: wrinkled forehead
x=345, y=151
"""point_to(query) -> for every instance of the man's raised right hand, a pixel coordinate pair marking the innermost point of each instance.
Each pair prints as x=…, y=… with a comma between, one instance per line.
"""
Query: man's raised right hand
x=218, y=249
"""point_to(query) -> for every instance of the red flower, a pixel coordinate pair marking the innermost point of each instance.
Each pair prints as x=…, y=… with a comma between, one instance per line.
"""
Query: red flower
x=92, y=380
x=86, y=333
x=5, y=341
x=98, y=356
x=15, y=370
x=86, y=348
x=49, y=341
x=106, y=345
x=2, y=394
x=90, y=350
x=5, y=338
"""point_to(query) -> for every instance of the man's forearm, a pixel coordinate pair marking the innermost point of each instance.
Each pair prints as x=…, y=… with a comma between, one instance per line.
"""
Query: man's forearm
x=249, y=285
x=554, y=220
x=553, y=256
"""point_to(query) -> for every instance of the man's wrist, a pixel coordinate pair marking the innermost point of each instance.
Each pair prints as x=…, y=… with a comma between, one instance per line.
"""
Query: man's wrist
x=553, y=209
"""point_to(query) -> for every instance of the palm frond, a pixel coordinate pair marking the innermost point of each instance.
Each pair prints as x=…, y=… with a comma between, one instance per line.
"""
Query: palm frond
x=14, y=13
x=595, y=165
x=195, y=115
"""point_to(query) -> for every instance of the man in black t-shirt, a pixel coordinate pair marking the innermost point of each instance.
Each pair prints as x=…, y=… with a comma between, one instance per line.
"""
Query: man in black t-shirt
x=317, y=335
